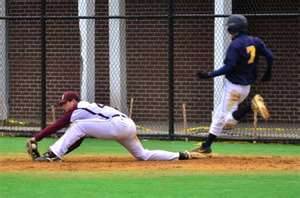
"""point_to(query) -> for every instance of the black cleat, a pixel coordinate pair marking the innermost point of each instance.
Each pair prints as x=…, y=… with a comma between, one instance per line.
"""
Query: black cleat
x=184, y=155
x=202, y=149
x=49, y=156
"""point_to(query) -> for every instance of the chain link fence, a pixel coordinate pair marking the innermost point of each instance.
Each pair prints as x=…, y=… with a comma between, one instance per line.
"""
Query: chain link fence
x=141, y=57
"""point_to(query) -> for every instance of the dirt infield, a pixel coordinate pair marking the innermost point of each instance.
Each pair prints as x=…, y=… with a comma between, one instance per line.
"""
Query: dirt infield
x=104, y=163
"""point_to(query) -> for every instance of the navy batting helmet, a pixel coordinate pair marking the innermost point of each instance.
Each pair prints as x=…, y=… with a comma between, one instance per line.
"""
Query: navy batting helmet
x=237, y=23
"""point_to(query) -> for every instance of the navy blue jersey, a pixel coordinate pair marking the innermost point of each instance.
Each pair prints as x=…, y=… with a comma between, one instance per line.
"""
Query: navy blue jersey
x=242, y=58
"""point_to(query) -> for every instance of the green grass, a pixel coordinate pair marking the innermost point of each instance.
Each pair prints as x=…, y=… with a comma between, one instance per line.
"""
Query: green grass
x=16, y=146
x=159, y=183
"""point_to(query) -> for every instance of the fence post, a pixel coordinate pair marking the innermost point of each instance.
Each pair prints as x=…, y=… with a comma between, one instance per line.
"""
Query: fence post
x=43, y=64
x=4, y=83
x=171, y=68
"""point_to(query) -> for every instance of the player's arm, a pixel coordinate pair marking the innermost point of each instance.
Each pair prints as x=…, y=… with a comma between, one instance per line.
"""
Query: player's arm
x=266, y=52
x=227, y=68
x=229, y=63
x=60, y=123
x=32, y=145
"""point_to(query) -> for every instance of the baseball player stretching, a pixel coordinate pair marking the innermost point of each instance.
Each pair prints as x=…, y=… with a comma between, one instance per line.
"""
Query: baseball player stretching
x=99, y=121
x=240, y=72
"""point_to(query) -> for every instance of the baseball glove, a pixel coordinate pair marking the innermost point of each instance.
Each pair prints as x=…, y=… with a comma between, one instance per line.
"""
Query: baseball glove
x=32, y=148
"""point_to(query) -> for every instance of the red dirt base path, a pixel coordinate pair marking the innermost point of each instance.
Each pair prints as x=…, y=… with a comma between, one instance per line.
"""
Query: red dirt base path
x=105, y=163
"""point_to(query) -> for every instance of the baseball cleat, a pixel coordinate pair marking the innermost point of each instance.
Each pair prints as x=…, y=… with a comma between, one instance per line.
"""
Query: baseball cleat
x=49, y=156
x=258, y=106
x=184, y=155
x=202, y=149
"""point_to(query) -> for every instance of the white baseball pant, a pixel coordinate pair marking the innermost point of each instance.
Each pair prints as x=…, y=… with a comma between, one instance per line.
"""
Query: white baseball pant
x=232, y=96
x=119, y=128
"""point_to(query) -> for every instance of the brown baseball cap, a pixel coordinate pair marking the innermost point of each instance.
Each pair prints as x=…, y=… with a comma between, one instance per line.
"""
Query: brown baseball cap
x=68, y=96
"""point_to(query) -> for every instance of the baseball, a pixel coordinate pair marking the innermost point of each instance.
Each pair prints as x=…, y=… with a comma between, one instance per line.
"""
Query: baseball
x=33, y=146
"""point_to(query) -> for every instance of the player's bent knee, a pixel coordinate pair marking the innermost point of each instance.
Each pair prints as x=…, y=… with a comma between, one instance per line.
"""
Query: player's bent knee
x=141, y=156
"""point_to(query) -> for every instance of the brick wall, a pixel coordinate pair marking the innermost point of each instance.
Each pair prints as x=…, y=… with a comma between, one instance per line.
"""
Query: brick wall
x=24, y=60
x=63, y=56
x=147, y=58
x=193, y=42
x=63, y=51
x=282, y=92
